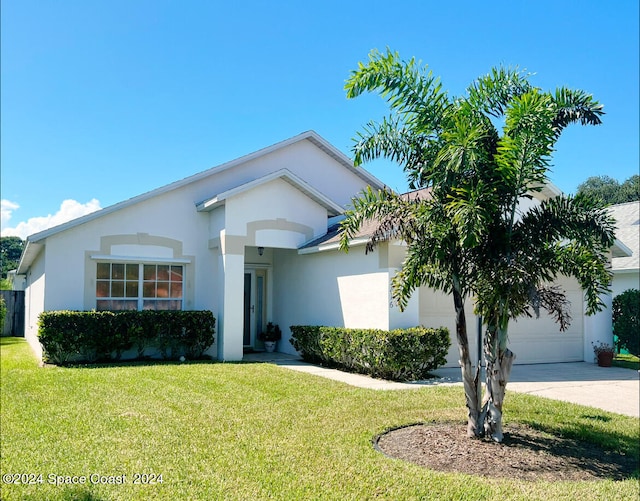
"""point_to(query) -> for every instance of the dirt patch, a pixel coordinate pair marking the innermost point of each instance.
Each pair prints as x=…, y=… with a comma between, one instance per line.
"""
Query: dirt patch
x=525, y=454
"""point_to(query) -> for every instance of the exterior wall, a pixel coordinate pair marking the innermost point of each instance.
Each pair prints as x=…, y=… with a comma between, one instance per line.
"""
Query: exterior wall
x=436, y=310
x=162, y=228
x=598, y=329
x=623, y=280
x=304, y=159
x=329, y=288
x=275, y=215
x=34, y=302
x=336, y=289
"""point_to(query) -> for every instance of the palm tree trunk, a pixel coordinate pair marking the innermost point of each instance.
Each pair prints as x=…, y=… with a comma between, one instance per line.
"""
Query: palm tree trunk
x=470, y=379
x=499, y=363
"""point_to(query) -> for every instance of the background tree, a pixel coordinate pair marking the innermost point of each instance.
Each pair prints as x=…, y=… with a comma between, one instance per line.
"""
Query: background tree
x=609, y=191
x=468, y=235
x=10, y=252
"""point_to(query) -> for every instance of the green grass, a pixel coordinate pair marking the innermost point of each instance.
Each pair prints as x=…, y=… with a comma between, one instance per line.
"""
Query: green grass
x=626, y=361
x=253, y=431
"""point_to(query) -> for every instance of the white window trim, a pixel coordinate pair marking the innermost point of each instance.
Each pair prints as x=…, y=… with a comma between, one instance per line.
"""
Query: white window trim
x=140, y=298
x=141, y=260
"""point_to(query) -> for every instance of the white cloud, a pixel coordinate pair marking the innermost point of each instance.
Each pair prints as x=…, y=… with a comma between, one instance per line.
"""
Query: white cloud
x=69, y=209
x=6, y=208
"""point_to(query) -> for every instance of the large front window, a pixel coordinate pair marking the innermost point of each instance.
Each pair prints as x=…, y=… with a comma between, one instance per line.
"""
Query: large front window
x=133, y=286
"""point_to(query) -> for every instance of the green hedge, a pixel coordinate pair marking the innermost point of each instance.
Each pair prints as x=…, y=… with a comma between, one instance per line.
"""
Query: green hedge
x=626, y=320
x=105, y=335
x=401, y=354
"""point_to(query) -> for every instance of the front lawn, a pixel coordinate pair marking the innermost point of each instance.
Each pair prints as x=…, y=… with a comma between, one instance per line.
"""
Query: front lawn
x=250, y=431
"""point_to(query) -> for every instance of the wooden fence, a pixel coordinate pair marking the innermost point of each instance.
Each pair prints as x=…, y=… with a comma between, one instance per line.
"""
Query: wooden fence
x=14, y=321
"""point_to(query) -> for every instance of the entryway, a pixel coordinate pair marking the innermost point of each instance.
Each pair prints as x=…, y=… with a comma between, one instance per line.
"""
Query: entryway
x=255, y=306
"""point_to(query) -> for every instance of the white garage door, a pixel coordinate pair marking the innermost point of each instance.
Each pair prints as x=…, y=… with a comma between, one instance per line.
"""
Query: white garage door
x=532, y=340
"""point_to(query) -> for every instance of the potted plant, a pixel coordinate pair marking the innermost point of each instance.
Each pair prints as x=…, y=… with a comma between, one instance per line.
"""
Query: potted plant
x=604, y=353
x=270, y=336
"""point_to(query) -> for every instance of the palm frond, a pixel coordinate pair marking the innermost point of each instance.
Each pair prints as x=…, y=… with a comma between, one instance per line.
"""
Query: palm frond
x=408, y=88
x=492, y=92
x=572, y=106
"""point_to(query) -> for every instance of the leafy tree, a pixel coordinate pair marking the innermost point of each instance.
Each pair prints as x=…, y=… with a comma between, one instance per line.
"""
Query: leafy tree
x=608, y=191
x=630, y=189
x=466, y=234
x=10, y=252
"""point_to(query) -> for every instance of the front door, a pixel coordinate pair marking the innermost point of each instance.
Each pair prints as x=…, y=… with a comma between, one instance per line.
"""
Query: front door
x=254, y=305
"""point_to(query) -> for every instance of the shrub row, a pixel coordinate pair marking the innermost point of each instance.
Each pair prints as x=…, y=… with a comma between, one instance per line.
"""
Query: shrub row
x=104, y=335
x=401, y=354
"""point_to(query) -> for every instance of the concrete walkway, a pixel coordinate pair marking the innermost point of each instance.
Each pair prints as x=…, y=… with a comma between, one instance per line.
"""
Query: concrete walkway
x=611, y=389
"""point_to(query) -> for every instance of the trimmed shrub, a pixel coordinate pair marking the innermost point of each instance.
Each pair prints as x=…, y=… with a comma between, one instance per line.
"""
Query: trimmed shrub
x=401, y=354
x=104, y=335
x=626, y=320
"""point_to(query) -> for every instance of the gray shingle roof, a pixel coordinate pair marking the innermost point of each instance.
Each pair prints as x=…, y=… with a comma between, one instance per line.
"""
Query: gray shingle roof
x=627, y=217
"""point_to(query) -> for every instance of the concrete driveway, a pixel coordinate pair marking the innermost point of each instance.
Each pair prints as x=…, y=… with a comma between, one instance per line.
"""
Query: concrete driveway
x=609, y=388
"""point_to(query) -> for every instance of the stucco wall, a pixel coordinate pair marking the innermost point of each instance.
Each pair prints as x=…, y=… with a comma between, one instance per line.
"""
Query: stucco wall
x=338, y=289
x=34, y=302
x=329, y=288
x=624, y=280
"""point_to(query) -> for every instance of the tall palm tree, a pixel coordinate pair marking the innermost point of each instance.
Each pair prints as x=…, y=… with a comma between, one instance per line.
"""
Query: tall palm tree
x=468, y=236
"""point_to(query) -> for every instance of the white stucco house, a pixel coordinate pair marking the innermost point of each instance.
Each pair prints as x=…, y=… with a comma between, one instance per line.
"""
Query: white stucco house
x=254, y=240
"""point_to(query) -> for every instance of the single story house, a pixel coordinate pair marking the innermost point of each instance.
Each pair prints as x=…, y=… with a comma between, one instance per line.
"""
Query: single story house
x=255, y=240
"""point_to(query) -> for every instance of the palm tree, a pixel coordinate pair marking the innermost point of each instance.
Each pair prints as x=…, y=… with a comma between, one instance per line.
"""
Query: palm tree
x=467, y=236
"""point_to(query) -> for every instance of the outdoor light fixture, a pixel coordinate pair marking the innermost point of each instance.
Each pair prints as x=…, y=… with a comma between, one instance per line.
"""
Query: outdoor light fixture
x=260, y=251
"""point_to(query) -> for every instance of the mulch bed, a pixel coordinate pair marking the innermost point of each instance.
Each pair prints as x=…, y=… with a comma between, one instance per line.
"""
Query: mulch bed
x=524, y=454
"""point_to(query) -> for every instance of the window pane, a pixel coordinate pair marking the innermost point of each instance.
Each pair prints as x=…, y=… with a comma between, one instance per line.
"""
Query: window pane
x=149, y=271
x=132, y=289
x=176, y=289
x=176, y=273
x=123, y=305
x=117, y=271
x=103, y=305
x=163, y=272
x=162, y=286
x=132, y=271
x=149, y=289
x=102, y=288
x=130, y=305
x=117, y=288
x=163, y=289
x=104, y=271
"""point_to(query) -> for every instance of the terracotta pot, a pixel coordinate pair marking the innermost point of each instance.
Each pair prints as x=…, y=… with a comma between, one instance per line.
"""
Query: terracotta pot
x=605, y=358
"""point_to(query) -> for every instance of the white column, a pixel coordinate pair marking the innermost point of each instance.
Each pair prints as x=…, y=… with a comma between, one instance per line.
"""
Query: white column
x=598, y=328
x=231, y=311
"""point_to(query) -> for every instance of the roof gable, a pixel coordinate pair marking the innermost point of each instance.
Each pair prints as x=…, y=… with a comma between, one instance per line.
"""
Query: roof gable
x=310, y=136
x=333, y=208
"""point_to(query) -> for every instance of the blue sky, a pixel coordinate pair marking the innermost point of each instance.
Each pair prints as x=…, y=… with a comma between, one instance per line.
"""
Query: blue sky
x=104, y=100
